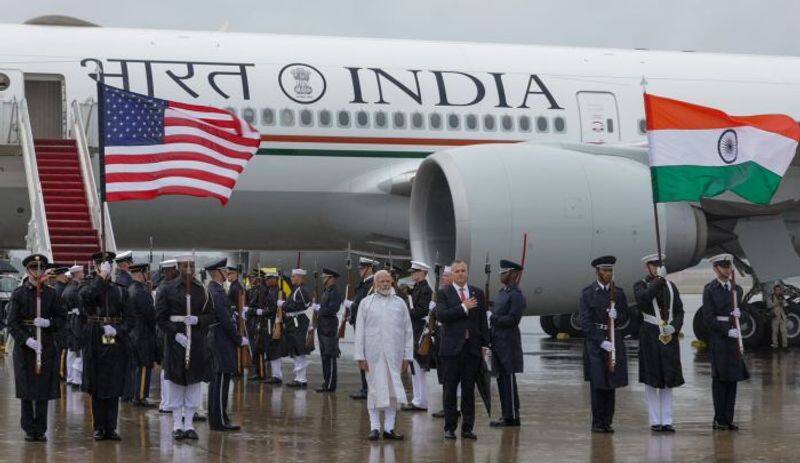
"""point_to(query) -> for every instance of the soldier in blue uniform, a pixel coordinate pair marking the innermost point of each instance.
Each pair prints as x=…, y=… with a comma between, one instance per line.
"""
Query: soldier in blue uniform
x=328, y=329
x=124, y=261
x=32, y=388
x=727, y=365
x=223, y=340
x=295, y=327
x=60, y=280
x=506, y=343
x=366, y=269
x=235, y=291
x=72, y=304
x=257, y=318
x=600, y=302
x=141, y=309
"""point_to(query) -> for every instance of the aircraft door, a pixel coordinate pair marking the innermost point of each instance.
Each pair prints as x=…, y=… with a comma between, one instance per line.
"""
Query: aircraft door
x=11, y=89
x=599, y=117
x=46, y=105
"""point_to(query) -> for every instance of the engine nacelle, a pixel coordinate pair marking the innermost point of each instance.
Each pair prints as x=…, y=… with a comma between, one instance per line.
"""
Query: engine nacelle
x=574, y=206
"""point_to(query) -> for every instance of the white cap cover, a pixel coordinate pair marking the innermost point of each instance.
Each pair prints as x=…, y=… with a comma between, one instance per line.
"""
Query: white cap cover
x=299, y=271
x=418, y=265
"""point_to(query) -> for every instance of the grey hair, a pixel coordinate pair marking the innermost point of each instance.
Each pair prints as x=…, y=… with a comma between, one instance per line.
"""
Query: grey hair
x=380, y=273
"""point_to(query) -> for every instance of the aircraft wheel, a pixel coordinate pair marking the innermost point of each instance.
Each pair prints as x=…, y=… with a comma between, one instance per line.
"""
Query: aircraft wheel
x=700, y=330
x=754, y=325
x=548, y=325
x=793, y=324
x=569, y=323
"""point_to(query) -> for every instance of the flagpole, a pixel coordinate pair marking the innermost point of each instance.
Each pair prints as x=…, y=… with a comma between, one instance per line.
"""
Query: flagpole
x=652, y=179
x=101, y=145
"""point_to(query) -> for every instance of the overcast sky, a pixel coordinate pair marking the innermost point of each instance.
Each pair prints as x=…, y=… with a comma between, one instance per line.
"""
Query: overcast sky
x=741, y=26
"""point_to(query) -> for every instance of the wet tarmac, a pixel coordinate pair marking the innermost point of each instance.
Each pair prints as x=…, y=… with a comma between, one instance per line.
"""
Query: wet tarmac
x=285, y=425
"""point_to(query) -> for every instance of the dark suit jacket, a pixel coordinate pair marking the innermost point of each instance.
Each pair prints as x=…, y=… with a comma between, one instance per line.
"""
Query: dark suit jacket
x=455, y=322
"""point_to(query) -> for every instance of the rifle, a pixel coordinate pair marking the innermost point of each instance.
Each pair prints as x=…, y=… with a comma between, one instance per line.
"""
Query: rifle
x=188, y=354
x=426, y=340
x=740, y=344
x=277, y=332
x=348, y=292
x=612, y=357
x=39, y=315
x=315, y=316
x=488, y=271
x=243, y=361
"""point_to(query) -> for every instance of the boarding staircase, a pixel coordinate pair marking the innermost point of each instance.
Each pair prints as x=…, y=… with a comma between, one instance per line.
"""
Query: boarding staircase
x=64, y=201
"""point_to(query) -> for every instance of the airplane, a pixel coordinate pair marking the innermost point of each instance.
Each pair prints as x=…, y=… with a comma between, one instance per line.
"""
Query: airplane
x=438, y=150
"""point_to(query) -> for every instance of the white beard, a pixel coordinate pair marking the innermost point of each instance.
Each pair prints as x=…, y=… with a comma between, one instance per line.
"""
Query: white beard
x=385, y=292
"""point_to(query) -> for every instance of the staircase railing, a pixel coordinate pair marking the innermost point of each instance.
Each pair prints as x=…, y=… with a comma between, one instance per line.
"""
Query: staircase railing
x=87, y=172
x=38, y=238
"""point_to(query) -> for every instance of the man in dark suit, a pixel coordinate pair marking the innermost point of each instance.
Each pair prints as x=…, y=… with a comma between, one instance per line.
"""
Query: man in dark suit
x=465, y=334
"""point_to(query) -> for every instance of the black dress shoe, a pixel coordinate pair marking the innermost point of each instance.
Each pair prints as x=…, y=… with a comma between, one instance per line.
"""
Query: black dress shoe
x=504, y=423
x=733, y=427
x=656, y=428
x=161, y=410
x=392, y=435
x=199, y=417
x=296, y=384
x=30, y=437
x=112, y=435
x=374, y=435
x=178, y=434
x=439, y=414
x=609, y=429
x=720, y=426
x=598, y=430
x=190, y=434
x=41, y=438
x=668, y=428
x=274, y=380
x=450, y=435
x=468, y=435
x=323, y=389
x=99, y=435
x=413, y=408
x=360, y=395
x=231, y=427
x=143, y=404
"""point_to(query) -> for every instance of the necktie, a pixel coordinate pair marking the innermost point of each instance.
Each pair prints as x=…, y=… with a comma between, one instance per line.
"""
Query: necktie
x=463, y=297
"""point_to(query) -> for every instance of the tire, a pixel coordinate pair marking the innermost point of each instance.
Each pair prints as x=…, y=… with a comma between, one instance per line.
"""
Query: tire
x=633, y=322
x=548, y=325
x=754, y=325
x=700, y=330
x=793, y=324
x=568, y=323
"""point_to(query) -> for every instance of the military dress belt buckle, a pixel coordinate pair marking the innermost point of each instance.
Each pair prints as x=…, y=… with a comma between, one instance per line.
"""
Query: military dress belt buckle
x=108, y=340
x=723, y=318
x=177, y=318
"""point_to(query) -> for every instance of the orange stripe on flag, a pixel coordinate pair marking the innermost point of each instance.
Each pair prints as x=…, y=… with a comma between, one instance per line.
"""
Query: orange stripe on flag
x=668, y=114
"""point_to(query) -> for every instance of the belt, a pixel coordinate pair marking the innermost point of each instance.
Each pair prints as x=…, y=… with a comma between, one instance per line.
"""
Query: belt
x=104, y=320
x=28, y=322
x=177, y=318
x=652, y=319
x=723, y=318
x=601, y=326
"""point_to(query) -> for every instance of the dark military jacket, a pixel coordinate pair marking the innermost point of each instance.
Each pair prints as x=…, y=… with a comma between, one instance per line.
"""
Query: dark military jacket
x=258, y=326
x=123, y=278
x=362, y=290
x=234, y=292
x=506, y=341
x=421, y=297
x=659, y=363
x=71, y=302
x=328, y=325
x=723, y=350
x=296, y=322
x=223, y=338
x=141, y=308
x=21, y=312
x=594, y=304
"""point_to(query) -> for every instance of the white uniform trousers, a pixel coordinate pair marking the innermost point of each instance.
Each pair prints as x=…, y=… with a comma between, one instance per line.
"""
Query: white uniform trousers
x=300, y=368
x=184, y=401
x=419, y=384
x=275, y=366
x=659, y=405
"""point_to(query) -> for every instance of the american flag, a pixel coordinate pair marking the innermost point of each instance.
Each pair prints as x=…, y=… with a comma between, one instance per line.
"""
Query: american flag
x=156, y=147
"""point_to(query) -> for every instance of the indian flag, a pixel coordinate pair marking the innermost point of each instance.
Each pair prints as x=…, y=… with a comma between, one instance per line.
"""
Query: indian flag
x=698, y=152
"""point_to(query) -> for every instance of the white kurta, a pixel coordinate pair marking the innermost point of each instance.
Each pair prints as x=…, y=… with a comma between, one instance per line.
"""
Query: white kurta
x=384, y=338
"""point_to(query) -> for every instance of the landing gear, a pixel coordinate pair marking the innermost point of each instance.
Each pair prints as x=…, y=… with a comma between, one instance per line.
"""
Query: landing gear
x=793, y=324
x=548, y=325
x=569, y=323
x=753, y=323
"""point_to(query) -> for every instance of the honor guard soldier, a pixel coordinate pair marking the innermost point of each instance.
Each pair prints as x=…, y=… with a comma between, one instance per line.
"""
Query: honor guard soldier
x=276, y=348
x=235, y=286
x=60, y=278
x=35, y=356
x=727, y=365
x=141, y=309
x=105, y=355
x=421, y=304
x=605, y=363
x=71, y=302
x=659, y=352
x=168, y=271
x=509, y=305
x=296, y=323
x=446, y=279
x=184, y=312
x=257, y=319
x=328, y=328
x=123, y=274
x=365, y=271
x=235, y=292
x=223, y=340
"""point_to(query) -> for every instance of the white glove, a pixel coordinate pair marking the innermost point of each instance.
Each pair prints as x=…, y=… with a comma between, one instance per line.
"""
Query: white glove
x=259, y=311
x=109, y=330
x=181, y=339
x=75, y=311
x=190, y=320
x=431, y=305
x=280, y=303
x=245, y=342
x=32, y=343
x=668, y=329
x=736, y=312
x=41, y=322
x=347, y=303
x=105, y=269
x=733, y=333
x=244, y=312
x=612, y=313
x=662, y=271
x=607, y=346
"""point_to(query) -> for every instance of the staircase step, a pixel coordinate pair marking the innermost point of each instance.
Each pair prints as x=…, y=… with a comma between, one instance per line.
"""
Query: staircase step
x=53, y=141
x=60, y=171
x=53, y=199
x=67, y=259
x=75, y=247
x=55, y=149
x=59, y=231
x=61, y=184
x=68, y=215
x=57, y=162
x=64, y=177
x=73, y=224
x=93, y=240
x=66, y=207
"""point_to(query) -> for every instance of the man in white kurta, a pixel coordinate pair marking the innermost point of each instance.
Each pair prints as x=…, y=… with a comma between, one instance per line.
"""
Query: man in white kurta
x=384, y=346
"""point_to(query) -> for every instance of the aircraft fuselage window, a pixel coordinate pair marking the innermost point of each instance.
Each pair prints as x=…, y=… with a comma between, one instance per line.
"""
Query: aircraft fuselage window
x=524, y=123
x=507, y=123
x=306, y=118
x=287, y=117
x=471, y=122
x=435, y=121
x=249, y=115
x=343, y=119
x=380, y=119
x=267, y=116
x=560, y=124
x=417, y=121
x=541, y=124
x=488, y=122
x=453, y=122
x=325, y=118
x=5, y=82
x=399, y=120
x=362, y=119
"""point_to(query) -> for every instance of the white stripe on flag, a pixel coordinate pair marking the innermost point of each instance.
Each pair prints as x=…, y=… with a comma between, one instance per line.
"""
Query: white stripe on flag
x=194, y=131
x=178, y=112
x=173, y=147
x=116, y=187
x=167, y=165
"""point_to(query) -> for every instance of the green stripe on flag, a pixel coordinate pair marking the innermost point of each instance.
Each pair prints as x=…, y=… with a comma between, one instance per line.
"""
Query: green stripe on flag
x=344, y=153
x=690, y=183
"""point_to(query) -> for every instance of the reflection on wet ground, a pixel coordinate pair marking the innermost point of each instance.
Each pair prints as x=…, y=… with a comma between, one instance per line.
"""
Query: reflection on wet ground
x=282, y=424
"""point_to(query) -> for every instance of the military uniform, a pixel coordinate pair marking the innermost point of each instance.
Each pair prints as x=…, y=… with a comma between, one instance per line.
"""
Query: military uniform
x=223, y=340
x=594, y=317
x=143, y=337
x=420, y=307
x=659, y=364
x=35, y=390
x=184, y=383
x=70, y=301
x=258, y=328
x=60, y=284
x=235, y=290
x=727, y=365
x=362, y=290
x=295, y=330
x=328, y=332
x=506, y=345
x=105, y=350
